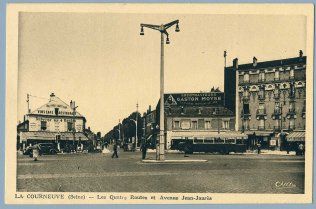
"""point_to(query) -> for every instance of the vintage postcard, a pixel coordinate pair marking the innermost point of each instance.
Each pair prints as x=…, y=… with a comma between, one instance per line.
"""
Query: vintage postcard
x=159, y=103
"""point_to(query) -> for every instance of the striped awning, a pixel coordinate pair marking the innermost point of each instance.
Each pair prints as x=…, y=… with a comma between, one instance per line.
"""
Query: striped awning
x=296, y=136
x=50, y=136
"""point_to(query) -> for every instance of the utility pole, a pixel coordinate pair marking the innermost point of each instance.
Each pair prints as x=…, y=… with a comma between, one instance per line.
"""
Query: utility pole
x=74, y=107
x=160, y=148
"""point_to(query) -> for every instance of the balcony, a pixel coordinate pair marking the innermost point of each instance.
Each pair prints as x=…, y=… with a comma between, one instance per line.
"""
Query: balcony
x=261, y=112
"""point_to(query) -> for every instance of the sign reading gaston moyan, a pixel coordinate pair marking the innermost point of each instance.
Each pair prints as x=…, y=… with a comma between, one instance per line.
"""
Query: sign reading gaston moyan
x=195, y=99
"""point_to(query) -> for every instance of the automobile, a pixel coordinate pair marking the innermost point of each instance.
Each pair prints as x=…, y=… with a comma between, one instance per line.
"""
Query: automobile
x=48, y=148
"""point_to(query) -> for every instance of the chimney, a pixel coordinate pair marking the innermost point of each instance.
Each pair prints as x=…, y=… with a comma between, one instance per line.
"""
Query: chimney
x=254, y=61
x=52, y=95
x=301, y=53
x=235, y=63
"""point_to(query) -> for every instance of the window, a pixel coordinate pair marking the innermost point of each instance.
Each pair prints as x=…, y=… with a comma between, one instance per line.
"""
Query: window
x=56, y=111
x=292, y=73
x=261, y=109
x=209, y=141
x=177, y=124
x=277, y=108
x=246, y=78
x=277, y=75
x=261, y=76
x=261, y=124
x=261, y=93
x=245, y=108
x=292, y=123
x=43, y=125
x=292, y=107
x=226, y=124
x=208, y=124
x=69, y=126
x=194, y=125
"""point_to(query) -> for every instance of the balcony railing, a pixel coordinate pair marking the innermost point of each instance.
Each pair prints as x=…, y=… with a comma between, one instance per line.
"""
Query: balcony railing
x=261, y=112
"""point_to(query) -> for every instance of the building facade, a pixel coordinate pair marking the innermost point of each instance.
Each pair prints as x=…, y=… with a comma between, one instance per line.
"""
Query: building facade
x=268, y=99
x=54, y=122
x=191, y=116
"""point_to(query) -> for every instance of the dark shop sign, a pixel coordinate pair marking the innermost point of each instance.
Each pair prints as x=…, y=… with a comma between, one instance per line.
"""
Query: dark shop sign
x=194, y=99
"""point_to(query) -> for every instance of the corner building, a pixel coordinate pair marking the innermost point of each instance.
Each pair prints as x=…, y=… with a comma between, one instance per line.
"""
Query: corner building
x=268, y=99
x=191, y=116
x=54, y=122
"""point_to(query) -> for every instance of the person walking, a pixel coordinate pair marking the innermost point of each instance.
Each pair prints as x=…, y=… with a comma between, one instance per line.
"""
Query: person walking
x=259, y=147
x=144, y=150
x=301, y=149
x=35, y=151
x=114, y=151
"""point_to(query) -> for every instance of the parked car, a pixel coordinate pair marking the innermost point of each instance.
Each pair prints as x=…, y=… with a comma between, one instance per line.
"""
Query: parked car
x=48, y=148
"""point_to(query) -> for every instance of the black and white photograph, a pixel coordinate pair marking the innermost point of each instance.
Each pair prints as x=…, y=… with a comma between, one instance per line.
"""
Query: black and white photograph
x=159, y=103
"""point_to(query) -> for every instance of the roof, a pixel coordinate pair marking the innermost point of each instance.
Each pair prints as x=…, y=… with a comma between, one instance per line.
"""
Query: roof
x=55, y=102
x=296, y=136
x=273, y=63
x=43, y=135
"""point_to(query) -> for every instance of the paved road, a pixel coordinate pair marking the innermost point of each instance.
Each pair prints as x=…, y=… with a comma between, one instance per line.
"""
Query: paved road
x=220, y=174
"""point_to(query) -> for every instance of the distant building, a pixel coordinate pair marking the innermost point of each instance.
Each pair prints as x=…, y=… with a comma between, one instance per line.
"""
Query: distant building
x=53, y=122
x=191, y=116
x=268, y=98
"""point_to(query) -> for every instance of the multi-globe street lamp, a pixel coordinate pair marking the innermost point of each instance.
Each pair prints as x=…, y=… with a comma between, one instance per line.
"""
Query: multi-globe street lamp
x=160, y=148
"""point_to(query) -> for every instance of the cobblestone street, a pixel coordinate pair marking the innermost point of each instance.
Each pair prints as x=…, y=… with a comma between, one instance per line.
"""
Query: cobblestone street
x=220, y=174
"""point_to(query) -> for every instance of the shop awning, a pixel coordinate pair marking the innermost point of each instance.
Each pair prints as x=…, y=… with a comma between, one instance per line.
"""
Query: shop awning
x=50, y=136
x=296, y=136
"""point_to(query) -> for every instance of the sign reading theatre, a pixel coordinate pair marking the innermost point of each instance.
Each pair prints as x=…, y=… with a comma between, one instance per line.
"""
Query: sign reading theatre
x=195, y=99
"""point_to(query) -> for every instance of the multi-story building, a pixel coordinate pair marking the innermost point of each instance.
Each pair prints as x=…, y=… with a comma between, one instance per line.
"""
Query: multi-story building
x=55, y=122
x=191, y=115
x=268, y=98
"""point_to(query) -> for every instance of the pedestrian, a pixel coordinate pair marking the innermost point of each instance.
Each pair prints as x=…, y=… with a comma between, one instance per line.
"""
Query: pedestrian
x=144, y=150
x=301, y=149
x=35, y=151
x=259, y=147
x=114, y=151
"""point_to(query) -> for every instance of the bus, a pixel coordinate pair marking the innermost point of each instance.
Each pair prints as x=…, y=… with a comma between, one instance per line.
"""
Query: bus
x=223, y=143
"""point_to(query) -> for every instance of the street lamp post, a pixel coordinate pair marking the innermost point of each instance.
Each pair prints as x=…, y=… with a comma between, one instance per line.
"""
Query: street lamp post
x=160, y=148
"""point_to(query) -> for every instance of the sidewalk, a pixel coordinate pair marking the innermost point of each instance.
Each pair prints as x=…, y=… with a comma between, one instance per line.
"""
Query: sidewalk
x=265, y=152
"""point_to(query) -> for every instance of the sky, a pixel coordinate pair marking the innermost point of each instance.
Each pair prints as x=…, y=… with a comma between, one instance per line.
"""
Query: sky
x=100, y=61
